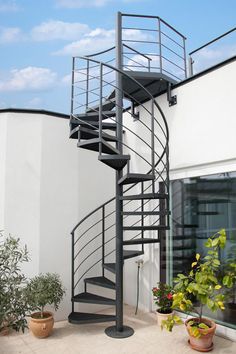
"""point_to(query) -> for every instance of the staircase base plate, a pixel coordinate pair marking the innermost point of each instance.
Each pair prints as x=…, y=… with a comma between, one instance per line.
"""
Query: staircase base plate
x=125, y=333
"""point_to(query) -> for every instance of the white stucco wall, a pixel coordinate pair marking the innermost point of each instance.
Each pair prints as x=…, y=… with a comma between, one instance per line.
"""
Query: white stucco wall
x=3, y=133
x=48, y=184
x=202, y=130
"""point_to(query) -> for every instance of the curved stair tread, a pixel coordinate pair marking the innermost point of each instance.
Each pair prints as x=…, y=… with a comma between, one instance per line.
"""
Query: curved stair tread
x=118, y=162
x=93, y=116
x=83, y=317
x=145, y=196
x=131, y=253
x=75, y=123
x=146, y=227
x=93, y=144
x=111, y=267
x=130, y=178
x=101, y=281
x=93, y=299
x=140, y=241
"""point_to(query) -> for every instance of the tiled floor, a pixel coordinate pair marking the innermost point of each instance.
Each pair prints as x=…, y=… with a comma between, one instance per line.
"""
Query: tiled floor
x=90, y=339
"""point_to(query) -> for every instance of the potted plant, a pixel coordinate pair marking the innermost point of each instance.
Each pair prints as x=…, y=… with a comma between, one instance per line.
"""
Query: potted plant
x=42, y=290
x=163, y=296
x=200, y=287
x=13, y=302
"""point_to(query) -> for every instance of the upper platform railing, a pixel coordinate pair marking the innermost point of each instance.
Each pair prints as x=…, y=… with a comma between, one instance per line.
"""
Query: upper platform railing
x=213, y=52
x=151, y=44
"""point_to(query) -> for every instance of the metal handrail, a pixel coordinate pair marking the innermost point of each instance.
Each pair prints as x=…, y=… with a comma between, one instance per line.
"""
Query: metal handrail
x=213, y=40
x=100, y=53
x=155, y=17
x=136, y=51
x=191, y=61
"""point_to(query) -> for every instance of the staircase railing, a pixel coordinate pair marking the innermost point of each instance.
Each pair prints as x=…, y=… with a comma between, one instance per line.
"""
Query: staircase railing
x=157, y=40
x=92, y=83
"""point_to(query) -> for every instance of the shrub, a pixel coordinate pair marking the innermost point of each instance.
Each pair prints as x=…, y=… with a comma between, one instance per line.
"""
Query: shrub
x=13, y=301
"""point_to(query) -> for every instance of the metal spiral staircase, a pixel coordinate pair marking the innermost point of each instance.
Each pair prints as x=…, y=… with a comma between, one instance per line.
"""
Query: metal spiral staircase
x=114, y=113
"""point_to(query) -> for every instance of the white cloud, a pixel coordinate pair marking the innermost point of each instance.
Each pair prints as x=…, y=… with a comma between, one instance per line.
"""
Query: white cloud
x=75, y=4
x=95, y=41
x=8, y=6
x=36, y=102
x=46, y=31
x=98, y=40
x=66, y=80
x=52, y=30
x=10, y=34
x=30, y=78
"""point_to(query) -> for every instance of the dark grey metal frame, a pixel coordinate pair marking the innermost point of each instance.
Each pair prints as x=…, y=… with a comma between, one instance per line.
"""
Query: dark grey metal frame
x=119, y=330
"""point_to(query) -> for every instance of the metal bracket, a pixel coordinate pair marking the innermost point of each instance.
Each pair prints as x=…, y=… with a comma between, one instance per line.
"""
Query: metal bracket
x=134, y=114
x=171, y=99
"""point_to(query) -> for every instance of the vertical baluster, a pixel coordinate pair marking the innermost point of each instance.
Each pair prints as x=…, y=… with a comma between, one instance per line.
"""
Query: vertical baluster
x=72, y=86
x=160, y=48
x=162, y=233
x=152, y=145
x=190, y=66
x=100, y=108
x=103, y=238
x=149, y=65
x=185, y=59
x=87, y=85
x=142, y=209
x=72, y=267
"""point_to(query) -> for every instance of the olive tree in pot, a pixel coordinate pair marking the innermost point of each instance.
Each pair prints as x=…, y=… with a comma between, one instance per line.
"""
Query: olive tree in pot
x=201, y=287
x=13, y=301
x=42, y=290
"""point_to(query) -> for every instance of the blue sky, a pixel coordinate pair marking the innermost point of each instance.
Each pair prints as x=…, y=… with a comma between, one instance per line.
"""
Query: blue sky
x=38, y=39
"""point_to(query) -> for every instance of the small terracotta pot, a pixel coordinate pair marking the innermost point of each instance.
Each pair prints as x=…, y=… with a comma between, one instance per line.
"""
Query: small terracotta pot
x=41, y=327
x=205, y=342
x=4, y=331
x=163, y=316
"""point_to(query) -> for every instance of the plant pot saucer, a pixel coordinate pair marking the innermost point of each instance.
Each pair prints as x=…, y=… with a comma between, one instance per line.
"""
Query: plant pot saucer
x=201, y=349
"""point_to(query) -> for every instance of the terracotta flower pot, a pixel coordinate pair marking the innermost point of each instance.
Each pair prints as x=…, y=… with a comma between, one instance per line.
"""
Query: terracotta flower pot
x=4, y=331
x=41, y=327
x=205, y=342
x=163, y=316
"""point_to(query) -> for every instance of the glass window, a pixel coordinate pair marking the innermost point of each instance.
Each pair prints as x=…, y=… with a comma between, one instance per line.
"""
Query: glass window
x=200, y=207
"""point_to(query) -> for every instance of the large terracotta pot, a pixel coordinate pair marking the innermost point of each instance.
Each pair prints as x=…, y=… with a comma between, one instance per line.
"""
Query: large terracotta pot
x=163, y=316
x=205, y=342
x=41, y=327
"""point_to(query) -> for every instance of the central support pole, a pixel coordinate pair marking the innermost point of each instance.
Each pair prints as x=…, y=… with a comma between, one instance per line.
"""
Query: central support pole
x=119, y=330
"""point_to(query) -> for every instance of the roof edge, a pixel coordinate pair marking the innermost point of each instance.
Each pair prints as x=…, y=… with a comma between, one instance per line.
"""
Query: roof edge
x=35, y=111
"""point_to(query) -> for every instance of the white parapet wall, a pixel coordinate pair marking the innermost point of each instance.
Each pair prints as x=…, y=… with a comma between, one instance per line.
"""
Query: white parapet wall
x=46, y=185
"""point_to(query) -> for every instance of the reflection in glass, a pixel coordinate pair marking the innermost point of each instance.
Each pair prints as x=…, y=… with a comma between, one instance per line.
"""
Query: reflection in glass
x=200, y=207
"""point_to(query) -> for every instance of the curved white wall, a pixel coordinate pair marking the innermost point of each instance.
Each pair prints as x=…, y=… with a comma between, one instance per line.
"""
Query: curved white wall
x=46, y=185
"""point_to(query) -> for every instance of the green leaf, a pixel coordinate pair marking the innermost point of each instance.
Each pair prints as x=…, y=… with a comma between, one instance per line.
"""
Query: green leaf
x=210, y=303
x=217, y=287
x=208, y=243
x=215, y=242
x=203, y=326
